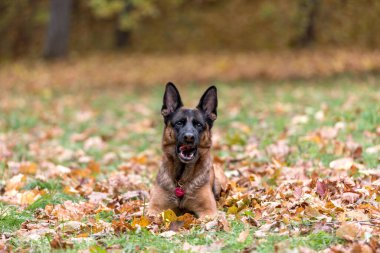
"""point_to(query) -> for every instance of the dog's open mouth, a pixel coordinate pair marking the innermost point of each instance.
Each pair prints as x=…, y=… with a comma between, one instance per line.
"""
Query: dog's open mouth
x=186, y=152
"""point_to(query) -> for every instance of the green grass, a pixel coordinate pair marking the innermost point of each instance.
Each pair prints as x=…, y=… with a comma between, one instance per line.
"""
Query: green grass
x=11, y=218
x=316, y=241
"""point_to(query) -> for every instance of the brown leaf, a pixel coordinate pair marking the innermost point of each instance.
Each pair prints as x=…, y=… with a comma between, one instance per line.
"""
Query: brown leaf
x=176, y=225
x=225, y=224
x=121, y=225
x=243, y=235
x=349, y=231
x=59, y=243
x=321, y=188
x=298, y=192
x=350, y=197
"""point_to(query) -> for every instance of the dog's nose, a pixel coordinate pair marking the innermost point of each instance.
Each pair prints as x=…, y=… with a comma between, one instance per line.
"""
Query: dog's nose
x=189, y=137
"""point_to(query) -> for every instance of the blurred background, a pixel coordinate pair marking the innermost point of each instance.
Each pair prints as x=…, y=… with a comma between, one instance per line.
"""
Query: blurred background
x=190, y=41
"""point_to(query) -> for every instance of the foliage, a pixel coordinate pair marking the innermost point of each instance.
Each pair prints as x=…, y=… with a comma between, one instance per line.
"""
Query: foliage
x=128, y=12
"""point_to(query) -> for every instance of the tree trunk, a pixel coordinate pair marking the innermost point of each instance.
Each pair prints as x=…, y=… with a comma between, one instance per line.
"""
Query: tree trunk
x=122, y=36
x=307, y=37
x=58, y=29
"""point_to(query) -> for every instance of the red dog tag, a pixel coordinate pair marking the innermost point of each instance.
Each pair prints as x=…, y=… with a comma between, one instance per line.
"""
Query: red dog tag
x=179, y=192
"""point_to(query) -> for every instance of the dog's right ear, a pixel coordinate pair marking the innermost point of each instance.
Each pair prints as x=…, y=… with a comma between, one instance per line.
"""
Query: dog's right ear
x=172, y=101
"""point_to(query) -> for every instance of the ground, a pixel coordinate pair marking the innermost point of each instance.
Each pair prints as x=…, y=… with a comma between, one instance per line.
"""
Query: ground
x=302, y=157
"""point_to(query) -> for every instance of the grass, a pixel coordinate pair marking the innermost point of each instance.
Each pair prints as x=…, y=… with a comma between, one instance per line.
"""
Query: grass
x=129, y=122
x=11, y=218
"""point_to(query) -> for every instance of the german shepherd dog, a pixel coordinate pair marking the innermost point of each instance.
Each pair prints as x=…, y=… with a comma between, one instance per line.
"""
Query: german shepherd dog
x=187, y=180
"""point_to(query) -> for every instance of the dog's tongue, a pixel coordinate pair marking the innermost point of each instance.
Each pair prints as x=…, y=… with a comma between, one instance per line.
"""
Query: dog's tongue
x=185, y=147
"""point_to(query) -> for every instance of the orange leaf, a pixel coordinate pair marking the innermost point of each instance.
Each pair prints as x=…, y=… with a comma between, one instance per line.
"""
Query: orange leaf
x=187, y=219
x=28, y=168
x=142, y=222
x=94, y=167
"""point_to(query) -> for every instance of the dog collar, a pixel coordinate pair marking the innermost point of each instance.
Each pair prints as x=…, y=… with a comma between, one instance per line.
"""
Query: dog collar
x=179, y=191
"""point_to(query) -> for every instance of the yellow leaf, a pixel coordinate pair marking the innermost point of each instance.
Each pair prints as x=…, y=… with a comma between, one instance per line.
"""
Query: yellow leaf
x=232, y=210
x=142, y=159
x=83, y=235
x=70, y=190
x=169, y=216
x=142, y=222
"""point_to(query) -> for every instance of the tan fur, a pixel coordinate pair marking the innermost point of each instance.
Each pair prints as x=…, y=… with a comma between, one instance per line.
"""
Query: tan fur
x=198, y=179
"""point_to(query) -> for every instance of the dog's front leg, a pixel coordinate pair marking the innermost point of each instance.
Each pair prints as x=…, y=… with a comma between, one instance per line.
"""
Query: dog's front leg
x=159, y=201
x=203, y=204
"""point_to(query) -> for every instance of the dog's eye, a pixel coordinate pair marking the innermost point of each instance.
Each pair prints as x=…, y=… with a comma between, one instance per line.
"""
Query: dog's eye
x=179, y=123
x=198, y=125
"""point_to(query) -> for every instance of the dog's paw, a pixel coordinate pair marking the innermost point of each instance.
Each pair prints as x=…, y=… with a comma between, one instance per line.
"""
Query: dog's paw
x=205, y=217
x=152, y=212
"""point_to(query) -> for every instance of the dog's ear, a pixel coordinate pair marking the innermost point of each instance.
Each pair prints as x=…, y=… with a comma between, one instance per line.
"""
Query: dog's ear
x=208, y=104
x=172, y=101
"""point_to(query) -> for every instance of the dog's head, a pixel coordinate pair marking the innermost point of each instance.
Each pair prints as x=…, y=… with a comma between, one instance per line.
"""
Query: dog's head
x=189, y=129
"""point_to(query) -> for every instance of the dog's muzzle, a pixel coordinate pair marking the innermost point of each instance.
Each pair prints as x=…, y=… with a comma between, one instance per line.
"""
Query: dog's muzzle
x=186, y=152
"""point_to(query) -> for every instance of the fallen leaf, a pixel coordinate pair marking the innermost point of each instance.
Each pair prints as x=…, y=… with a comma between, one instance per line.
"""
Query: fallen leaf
x=71, y=226
x=214, y=246
x=28, y=168
x=357, y=215
x=373, y=149
x=59, y=243
x=187, y=220
x=168, y=234
x=349, y=231
x=243, y=235
x=321, y=188
x=211, y=224
x=143, y=221
x=168, y=216
x=350, y=197
x=176, y=225
x=342, y=163
x=232, y=210
x=16, y=182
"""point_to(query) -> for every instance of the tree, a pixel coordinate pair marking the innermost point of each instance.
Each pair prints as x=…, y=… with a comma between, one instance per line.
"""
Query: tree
x=58, y=29
x=123, y=35
x=308, y=10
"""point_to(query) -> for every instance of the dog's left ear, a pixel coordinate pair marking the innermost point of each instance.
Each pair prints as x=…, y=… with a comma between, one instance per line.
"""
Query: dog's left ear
x=208, y=104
